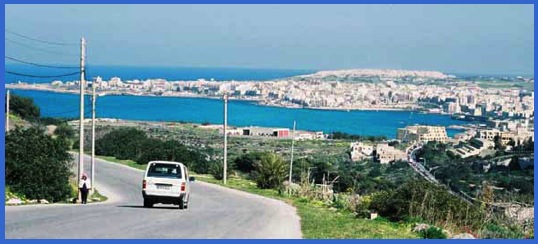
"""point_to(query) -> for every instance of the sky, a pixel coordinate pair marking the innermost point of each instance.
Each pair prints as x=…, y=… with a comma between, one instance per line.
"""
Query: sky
x=468, y=39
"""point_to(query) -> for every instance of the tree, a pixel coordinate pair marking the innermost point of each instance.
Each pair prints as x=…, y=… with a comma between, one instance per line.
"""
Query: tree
x=528, y=145
x=123, y=143
x=514, y=164
x=511, y=143
x=24, y=107
x=245, y=163
x=65, y=131
x=270, y=171
x=498, y=143
x=154, y=149
x=37, y=165
x=216, y=169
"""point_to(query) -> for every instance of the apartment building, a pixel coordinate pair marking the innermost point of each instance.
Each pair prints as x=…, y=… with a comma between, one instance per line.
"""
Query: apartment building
x=360, y=150
x=422, y=133
x=386, y=154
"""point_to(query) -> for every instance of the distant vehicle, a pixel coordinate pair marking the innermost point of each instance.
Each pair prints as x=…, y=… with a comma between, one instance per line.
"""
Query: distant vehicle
x=166, y=183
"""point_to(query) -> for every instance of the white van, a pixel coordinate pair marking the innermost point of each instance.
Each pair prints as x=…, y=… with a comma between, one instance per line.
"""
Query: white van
x=167, y=183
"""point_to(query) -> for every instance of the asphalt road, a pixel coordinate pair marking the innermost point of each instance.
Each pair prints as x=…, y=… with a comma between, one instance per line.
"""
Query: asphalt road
x=214, y=212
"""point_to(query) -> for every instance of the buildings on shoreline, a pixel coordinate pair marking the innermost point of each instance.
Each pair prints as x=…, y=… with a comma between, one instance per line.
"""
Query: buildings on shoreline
x=428, y=91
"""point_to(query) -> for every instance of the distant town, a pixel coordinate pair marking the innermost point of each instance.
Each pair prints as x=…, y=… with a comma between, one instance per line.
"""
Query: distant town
x=362, y=89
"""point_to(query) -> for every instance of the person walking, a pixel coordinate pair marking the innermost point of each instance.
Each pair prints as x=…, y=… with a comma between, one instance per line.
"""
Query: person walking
x=84, y=187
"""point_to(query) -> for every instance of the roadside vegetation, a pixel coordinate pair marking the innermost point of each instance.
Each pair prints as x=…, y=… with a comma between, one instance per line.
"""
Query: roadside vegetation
x=335, y=197
x=38, y=167
x=510, y=173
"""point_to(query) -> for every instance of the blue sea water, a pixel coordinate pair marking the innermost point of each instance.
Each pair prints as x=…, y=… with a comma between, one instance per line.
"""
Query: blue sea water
x=240, y=113
x=141, y=73
x=200, y=110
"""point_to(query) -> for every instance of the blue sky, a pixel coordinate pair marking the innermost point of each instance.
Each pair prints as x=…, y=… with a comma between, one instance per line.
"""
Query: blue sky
x=484, y=39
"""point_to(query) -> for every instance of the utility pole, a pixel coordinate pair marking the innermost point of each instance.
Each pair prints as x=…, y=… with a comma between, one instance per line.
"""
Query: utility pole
x=93, y=134
x=81, y=122
x=291, y=161
x=7, y=111
x=225, y=137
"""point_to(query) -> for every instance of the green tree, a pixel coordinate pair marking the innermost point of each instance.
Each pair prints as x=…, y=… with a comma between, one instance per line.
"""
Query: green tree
x=245, y=163
x=24, y=107
x=123, y=143
x=528, y=145
x=514, y=164
x=65, y=131
x=37, y=165
x=270, y=171
x=511, y=142
x=498, y=143
x=155, y=149
x=216, y=169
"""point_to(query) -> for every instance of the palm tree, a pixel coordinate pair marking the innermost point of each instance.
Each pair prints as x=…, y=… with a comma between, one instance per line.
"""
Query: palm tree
x=270, y=171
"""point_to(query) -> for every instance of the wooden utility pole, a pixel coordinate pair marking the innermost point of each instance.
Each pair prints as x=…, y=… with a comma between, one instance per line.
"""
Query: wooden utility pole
x=225, y=138
x=7, y=111
x=81, y=121
x=291, y=161
x=93, y=135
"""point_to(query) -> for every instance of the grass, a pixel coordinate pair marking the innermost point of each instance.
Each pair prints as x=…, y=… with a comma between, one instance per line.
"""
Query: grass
x=97, y=195
x=9, y=194
x=317, y=220
x=129, y=163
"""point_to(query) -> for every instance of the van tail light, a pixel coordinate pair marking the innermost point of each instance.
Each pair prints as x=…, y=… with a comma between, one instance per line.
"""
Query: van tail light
x=144, y=184
x=183, y=186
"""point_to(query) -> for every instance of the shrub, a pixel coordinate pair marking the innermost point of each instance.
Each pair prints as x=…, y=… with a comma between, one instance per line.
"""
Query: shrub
x=37, y=165
x=424, y=200
x=52, y=121
x=493, y=231
x=123, y=143
x=245, y=163
x=64, y=131
x=24, y=107
x=363, y=207
x=216, y=169
x=338, y=202
x=270, y=171
x=133, y=144
x=432, y=233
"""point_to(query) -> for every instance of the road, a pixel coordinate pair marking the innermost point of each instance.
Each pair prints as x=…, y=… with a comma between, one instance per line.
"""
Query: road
x=214, y=212
x=421, y=170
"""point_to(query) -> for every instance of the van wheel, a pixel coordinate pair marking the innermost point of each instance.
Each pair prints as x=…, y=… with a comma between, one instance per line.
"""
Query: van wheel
x=148, y=203
x=181, y=204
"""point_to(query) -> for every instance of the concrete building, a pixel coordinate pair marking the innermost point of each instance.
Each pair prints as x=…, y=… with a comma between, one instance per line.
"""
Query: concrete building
x=422, y=133
x=386, y=154
x=259, y=131
x=361, y=151
x=474, y=148
x=453, y=107
x=490, y=134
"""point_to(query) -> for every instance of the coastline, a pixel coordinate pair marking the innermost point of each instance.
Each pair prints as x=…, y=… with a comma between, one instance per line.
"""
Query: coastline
x=256, y=101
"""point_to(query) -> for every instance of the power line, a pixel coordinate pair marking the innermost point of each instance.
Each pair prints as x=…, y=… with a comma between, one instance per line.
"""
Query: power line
x=40, y=65
x=87, y=104
x=38, y=49
x=42, y=76
x=41, y=41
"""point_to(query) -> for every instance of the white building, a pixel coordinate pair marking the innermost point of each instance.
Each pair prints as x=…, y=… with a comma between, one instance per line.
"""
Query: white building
x=361, y=151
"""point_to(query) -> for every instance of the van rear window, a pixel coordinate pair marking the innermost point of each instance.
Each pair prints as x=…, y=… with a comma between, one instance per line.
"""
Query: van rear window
x=164, y=171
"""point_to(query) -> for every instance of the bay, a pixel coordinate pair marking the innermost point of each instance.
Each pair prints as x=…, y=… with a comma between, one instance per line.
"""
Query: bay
x=240, y=113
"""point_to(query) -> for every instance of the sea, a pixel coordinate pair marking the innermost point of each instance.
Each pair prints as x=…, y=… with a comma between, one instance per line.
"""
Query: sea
x=206, y=110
